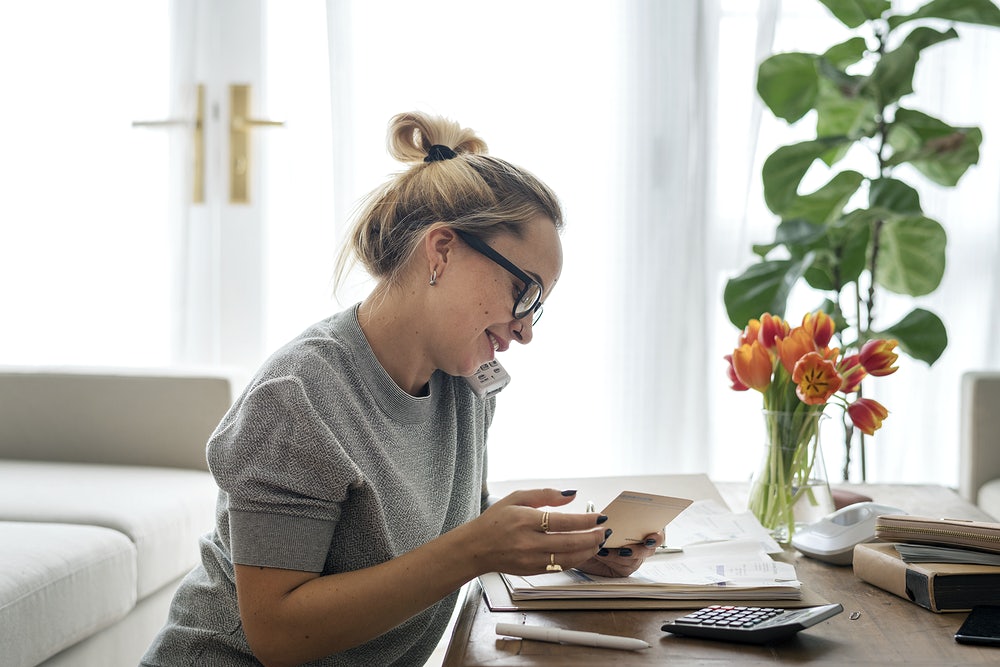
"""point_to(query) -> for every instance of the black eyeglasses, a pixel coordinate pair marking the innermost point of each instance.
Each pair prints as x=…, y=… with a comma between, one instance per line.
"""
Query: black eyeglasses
x=530, y=299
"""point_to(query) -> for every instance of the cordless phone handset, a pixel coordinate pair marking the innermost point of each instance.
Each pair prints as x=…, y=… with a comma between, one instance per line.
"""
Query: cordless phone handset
x=489, y=379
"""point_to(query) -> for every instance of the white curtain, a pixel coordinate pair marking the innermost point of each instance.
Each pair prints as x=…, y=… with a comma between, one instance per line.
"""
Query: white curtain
x=643, y=116
x=661, y=267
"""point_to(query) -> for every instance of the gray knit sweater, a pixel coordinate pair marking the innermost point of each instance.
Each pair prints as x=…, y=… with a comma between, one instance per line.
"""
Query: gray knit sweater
x=325, y=465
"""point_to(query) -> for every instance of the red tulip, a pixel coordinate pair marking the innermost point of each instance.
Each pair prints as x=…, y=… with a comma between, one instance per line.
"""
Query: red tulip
x=772, y=329
x=877, y=357
x=820, y=326
x=817, y=379
x=752, y=365
x=867, y=415
x=731, y=372
x=853, y=373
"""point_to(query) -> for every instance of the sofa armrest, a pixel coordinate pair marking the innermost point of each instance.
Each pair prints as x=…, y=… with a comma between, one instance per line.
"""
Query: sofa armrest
x=111, y=416
x=980, y=432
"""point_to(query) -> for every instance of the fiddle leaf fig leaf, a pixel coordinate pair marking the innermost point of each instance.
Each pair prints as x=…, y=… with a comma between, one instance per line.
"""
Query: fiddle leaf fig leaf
x=788, y=84
x=921, y=335
x=846, y=53
x=982, y=12
x=825, y=204
x=763, y=288
x=784, y=168
x=841, y=254
x=841, y=111
x=853, y=13
x=939, y=151
x=911, y=255
x=895, y=196
x=892, y=77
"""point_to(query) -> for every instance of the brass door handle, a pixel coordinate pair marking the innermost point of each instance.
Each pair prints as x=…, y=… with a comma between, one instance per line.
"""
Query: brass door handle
x=198, y=186
x=240, y=124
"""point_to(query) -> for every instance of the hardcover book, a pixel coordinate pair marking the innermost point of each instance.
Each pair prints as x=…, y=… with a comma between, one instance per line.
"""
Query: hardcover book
x=940, y=587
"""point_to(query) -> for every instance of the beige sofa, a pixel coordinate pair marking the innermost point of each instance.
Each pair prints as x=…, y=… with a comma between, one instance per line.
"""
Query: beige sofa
x=104, y=491
x=979, y=480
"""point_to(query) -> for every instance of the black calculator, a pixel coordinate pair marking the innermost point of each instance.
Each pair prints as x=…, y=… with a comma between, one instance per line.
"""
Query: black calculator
x=751, y=625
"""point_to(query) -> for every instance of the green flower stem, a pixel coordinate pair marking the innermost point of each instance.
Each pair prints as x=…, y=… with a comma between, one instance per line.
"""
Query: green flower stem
x=788, y=466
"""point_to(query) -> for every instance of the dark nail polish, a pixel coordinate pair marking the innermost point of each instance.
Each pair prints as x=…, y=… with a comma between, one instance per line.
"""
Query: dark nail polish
x=607, y=533
x=624, y=552
x=569, y=492
x=650, y=543
x=603, y=552
x=601, y=519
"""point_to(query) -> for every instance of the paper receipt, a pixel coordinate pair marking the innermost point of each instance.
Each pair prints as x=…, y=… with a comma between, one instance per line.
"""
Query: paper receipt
x=633, y=515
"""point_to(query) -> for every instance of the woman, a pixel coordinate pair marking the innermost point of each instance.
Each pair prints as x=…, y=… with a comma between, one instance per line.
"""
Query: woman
x=352, y=469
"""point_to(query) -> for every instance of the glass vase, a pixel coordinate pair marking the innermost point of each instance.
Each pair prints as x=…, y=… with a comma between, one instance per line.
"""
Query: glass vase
x=791, y=487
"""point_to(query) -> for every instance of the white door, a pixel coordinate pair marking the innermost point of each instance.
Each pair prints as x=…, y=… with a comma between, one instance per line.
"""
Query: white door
x=115, y=249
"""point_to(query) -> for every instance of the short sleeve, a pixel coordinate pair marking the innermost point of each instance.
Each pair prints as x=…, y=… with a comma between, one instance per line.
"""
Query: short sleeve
x=285, y=475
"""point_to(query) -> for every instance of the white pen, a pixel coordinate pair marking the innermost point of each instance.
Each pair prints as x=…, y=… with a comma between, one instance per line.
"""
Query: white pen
x=558, y=636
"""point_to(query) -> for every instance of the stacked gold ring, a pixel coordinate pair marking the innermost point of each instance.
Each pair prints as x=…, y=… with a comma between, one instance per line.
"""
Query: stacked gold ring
x=545, y=522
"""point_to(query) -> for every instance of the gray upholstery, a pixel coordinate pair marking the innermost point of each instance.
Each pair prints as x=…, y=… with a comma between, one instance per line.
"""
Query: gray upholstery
x=979, y=479
x=104, y=492
x=110, y=416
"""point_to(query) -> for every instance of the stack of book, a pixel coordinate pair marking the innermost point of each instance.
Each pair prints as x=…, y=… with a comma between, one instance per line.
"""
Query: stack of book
x=944, y=565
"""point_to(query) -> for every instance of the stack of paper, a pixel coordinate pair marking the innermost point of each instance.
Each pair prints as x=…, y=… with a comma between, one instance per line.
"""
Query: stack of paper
x=724, y=570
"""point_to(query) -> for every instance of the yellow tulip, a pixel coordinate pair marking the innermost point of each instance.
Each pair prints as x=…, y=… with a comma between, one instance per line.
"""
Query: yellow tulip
x=793, y=347
x=753, y=365
x=816, y=379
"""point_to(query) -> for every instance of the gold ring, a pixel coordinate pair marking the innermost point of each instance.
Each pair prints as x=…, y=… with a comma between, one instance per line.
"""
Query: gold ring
x=553, y=566
x=545, y=522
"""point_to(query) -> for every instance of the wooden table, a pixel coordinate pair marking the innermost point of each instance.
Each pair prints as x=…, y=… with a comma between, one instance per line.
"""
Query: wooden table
x=875, y=628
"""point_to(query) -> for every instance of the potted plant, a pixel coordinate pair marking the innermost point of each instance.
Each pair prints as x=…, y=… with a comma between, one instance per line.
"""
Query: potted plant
x=863, y=230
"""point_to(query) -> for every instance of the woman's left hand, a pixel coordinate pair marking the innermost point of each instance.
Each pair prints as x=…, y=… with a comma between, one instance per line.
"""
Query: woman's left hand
x=622, y=561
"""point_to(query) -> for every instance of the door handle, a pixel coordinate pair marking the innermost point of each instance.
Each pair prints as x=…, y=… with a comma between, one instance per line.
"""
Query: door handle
x=198, y=137
x=240, y=124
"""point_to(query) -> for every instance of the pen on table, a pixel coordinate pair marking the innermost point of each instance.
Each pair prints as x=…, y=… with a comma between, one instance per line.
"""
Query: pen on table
x=559, y=636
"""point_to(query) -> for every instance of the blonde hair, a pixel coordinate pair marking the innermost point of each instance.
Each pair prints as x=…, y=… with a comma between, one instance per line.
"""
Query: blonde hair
x=472, y=191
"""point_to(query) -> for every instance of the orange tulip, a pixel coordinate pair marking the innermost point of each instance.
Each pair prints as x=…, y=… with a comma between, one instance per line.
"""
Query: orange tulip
x=817, y=379
x=752, y=365
x=793, y=347
x=731, y=372
x=772, y=329
x=820, y=326
x=749, y=334
x=867, y=415
x=853, y=373
x=877, y=357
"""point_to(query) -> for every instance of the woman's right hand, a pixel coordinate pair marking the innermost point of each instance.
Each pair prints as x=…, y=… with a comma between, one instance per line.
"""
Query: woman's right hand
x=509, y=536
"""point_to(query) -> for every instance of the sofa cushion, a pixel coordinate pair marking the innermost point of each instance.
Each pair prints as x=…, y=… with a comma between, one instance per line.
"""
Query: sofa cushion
x=163, y=511
x=59, y=584
x=989, y=498
x=111, y=416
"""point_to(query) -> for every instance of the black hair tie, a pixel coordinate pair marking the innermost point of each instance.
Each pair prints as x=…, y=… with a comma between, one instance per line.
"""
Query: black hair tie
x=438, y=152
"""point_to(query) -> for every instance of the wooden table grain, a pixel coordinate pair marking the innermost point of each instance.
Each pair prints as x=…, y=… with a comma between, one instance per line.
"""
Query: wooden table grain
x=875, y=628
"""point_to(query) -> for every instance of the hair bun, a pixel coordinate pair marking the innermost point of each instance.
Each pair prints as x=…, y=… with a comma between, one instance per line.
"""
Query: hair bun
x=419, y=137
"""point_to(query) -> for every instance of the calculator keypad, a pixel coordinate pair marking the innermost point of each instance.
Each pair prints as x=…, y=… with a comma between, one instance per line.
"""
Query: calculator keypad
x=730, y=617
